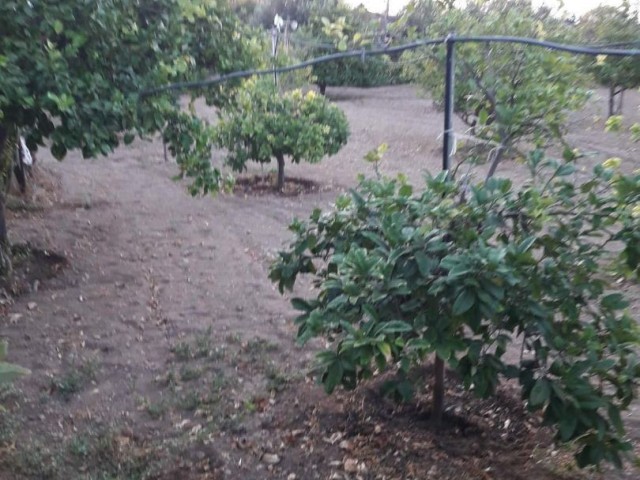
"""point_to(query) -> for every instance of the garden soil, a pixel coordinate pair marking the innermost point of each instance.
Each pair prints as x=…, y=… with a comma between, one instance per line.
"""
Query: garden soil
x=160, y=349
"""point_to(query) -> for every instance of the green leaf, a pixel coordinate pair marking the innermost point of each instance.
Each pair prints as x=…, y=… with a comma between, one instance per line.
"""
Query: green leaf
x=614, y=301
x=394, y=326
x=583, y=458
x=425, y=263
x=527, y=243
x=9, y=372
x=540, y=392
x=301, y=304
x=464, y=302
x=385, y=349
x=614, y=416
x=567, y=426
x=333, y=376
x=566, y=169
x=375, y=238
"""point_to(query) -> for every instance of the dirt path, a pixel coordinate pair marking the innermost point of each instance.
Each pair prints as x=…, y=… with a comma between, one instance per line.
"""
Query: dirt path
x=164, y=329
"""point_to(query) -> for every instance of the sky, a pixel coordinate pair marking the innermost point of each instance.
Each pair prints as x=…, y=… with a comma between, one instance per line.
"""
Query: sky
x=576, y=7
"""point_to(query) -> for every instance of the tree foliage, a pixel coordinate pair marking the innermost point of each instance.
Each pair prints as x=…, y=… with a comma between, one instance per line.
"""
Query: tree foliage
x=354, y=72
x=339, y=29
x=619, y=27
x=264, y=125
x=505, y=92
x=463, y=273
x=261, y=13
x=73, y=71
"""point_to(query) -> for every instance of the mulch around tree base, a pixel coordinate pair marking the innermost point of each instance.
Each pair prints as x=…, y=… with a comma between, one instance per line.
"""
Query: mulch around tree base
x=31, y=267
x=258, y=185
x=361, y=434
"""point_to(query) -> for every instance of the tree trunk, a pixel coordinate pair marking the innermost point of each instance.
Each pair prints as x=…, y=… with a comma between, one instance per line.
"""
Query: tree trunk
x=615, y=93
x=611, y=98
x=620, y=101
x=323, y=88
x=438, y=392
x=6, y=161
x=504, y=140
x=280, y=159
x=496, y=161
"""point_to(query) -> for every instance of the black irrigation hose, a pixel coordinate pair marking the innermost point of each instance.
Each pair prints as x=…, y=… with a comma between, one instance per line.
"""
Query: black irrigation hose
x=270, y=71
x=577, y=49
x=630, y=43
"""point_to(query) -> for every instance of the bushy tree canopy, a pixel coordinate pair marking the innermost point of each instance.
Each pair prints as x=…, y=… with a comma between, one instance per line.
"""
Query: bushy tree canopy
x=463, y=273
x=618, y=27
x=73, y=73
x=264, y=125
x=73, y=70
x=504, y=92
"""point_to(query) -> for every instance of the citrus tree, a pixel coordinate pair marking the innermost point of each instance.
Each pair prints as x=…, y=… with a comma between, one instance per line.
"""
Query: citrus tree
x=464, y=273
x=335, y=27
x=73, y=73
x=505, y=93
x=263, y=125
x=619, y=27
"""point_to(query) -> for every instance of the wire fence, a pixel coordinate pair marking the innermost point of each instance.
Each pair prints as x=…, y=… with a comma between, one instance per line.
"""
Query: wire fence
x=449, y=42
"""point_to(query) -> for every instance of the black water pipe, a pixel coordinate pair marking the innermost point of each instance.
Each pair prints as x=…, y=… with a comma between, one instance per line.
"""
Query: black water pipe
x=448, y=142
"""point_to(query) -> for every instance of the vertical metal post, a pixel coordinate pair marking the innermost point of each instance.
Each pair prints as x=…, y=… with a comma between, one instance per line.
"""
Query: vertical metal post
x=449, y=89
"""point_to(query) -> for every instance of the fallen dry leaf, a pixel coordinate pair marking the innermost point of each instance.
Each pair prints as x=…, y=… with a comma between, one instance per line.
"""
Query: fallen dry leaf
x=270, y=458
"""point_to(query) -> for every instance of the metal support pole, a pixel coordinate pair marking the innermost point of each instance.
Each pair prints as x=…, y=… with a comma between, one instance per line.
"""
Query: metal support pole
x=449, y=88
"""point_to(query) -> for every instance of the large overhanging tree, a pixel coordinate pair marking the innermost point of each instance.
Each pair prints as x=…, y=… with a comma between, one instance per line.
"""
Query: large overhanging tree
x=72, y=73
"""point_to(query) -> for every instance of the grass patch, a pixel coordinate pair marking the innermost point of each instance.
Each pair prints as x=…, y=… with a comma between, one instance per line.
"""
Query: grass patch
x=182, y=351
x=188, y=374
x=156, y=410
x=259, y=346
x=74, y=380
x=203, y=345
x=200, y=346
x=189, y=402
x=79, y=447
x=8, y=428
x=277, y=380
x=33, y=461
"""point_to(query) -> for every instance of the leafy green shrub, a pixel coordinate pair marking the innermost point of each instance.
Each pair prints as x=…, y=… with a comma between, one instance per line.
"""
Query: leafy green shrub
x=353, y=72
x=190, y=140
x=464, y=272
x=264, y=124
x=343, y=30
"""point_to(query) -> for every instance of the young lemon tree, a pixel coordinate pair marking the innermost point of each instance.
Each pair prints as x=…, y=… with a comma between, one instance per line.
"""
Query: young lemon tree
x=463, y=273
x=263, y=125
x=505, y=93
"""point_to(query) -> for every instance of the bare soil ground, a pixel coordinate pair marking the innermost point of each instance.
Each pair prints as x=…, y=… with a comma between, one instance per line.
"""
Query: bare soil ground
x=159, y=348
